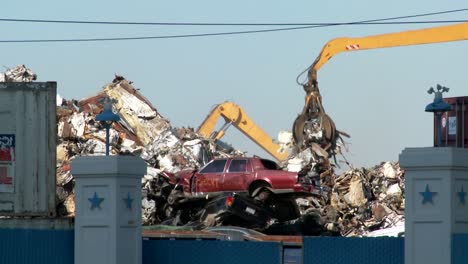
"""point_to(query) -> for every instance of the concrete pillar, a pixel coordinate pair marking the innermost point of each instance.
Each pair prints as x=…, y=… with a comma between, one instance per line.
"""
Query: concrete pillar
x=108, y=209
x=436, y=208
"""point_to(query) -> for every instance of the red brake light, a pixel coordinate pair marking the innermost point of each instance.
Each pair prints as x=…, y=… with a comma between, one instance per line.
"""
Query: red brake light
x=229, y=200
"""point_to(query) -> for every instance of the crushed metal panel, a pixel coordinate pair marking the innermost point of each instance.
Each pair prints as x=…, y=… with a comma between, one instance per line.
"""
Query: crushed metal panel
x=95, y=104
x=28, y=148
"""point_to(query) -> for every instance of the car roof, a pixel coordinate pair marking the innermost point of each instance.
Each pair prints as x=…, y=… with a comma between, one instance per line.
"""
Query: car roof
x=235, y=232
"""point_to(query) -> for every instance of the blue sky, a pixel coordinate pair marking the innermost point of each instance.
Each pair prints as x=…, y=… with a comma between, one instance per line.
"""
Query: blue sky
x=377, y=96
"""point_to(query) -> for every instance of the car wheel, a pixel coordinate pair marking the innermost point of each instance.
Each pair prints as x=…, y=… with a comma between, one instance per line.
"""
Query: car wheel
x=260, y=191
x=254, y=187
x=262, y=196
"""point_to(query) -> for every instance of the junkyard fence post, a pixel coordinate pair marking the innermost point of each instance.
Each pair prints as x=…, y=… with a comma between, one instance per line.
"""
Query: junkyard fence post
x=436, y=208
x=108, y=209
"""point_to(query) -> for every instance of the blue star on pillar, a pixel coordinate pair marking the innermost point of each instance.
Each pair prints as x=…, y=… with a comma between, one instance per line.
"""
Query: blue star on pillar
x=461, y=194
x=95, y=201
x=427, y=195
x=128, y=201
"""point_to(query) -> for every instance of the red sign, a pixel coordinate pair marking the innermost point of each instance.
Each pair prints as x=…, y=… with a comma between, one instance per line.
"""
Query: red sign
x=7, y=162
x=4, y=179
x=7, y=147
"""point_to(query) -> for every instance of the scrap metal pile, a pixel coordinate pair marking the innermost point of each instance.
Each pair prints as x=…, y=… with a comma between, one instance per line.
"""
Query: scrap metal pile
x=18, y=74
x=142, y=131
x=360, y=200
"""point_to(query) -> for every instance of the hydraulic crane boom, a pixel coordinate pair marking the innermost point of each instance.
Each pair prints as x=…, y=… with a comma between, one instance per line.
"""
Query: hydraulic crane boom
x=236, y=116
x=449, y=33
x=313, y=109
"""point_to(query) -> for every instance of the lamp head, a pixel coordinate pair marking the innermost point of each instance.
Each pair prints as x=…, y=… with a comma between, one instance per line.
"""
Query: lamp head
x=438, y=105
x=107, y=115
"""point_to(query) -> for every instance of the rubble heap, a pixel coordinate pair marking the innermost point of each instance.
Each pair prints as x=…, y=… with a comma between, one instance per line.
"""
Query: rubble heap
x=18, y=74
x=359, y=201
x=364, y=200
x=142, y=131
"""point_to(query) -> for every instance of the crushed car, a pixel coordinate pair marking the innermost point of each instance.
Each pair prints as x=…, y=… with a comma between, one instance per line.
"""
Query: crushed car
x=242, y=191
x=242, y=174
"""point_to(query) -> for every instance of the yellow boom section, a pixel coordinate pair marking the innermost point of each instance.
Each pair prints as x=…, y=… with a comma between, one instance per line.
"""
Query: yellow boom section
x=236, y=116
x=449, y=33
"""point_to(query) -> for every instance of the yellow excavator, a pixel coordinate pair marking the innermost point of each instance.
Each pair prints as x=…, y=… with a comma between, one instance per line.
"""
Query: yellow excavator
x=313, y=117
x=236, y=116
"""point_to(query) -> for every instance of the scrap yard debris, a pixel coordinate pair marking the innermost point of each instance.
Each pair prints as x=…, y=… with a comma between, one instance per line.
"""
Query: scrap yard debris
x=18, y=74
x=364, y=200
x=359, y=200
x=142, y=131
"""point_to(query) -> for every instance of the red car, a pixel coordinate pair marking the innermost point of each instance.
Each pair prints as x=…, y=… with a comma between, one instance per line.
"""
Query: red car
x=242, y=174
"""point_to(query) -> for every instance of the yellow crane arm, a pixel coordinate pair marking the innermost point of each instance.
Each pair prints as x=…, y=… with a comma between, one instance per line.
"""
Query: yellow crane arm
x=313, y=108
x=208, y=125
x=448, y=33
x=236, y=116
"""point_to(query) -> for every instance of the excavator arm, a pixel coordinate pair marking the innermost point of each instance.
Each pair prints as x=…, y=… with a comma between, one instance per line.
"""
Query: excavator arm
x=449, y=33
x=236, y=116
x=313, y=109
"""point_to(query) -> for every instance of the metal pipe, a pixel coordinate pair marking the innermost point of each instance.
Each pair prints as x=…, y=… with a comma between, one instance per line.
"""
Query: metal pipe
x=107, y=139
x=446, y=129
x=438, y=127
x=456, y=124
x=463, y=123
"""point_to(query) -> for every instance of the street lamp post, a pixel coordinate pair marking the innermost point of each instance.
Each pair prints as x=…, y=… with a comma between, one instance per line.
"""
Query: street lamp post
x=107, y=117
x=438, y=107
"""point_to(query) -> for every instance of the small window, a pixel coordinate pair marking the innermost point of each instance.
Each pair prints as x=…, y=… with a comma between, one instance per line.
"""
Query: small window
x=238, y=166
x=217, y=166
x=269, y=165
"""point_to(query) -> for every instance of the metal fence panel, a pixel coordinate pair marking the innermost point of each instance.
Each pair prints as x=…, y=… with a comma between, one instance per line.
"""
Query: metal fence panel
x=459, y=249
x=210, y=252
x=369, y=250
x=292, y=255
x=26, y=246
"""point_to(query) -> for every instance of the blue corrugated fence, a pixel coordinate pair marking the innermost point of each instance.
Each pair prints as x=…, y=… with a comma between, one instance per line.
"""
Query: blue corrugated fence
x=210, y=252
x=459, y=249
x=350, y=250
x=26, y=246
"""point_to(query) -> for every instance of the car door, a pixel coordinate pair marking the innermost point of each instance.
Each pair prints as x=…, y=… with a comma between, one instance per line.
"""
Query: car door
x=210, y=177
x=237, y=175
